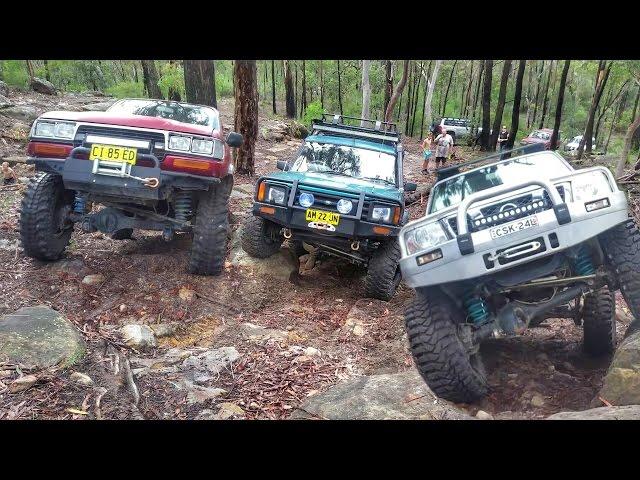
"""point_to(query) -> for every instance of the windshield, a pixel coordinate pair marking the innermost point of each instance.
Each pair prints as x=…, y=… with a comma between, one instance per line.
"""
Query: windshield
x=349, y=161
x=180, y=112
x=452, y=191
x=541, y=135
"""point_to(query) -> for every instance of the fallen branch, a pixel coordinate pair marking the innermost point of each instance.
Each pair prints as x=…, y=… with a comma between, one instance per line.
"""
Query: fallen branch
x=98, y=398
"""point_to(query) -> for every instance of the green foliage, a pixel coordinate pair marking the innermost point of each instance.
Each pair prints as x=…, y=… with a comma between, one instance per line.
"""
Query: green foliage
x=171, y=76
x=14, y=73
x=127, y=89
x=313, y=111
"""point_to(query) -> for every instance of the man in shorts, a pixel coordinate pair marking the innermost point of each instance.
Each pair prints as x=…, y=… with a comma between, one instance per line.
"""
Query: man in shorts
x=444, y=145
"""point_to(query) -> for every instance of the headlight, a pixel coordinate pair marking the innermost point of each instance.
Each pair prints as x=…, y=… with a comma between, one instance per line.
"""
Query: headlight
x=276, y=195
x=425, y=237
x=589, y=186
x=55, y=130
x=306, y=199
x=202, y=146
x=177, y=142
x=381, y=213
x=344, y=206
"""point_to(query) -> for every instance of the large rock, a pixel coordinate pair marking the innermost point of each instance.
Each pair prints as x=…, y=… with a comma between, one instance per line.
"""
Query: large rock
x=398, y=396
x=23, y=113
x=138, y=336
x=280, y=265
x=621, y=385
x=298, y=130
x=4, y=102
x=39, y=337
x=97, y=107
x=41, y=85
x=4, y=90
x=626, y=412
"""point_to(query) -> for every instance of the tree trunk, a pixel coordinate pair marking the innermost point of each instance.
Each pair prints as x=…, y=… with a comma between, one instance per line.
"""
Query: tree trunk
x=431, y=86
x=426, y=89
x=47, y=74
x=486, y=106
x=446, y=93
x=517, y=100
x=245, y=82
x=464, y=111
x=30, y=70
x=288, y=91
x=135, y=72
x=200, y=82
x=415, y=102
x=150, y=77
x=366, y=90
x=273, y=86
x=556, y=125
x=321, y=87
x=546, y=96
x=539, y=72
x=173, y=93
x=622, y=161
x=397, y=93
x=601, y=81
x=613, y=122
x=635, y=106
x=502, y=94
x=339, y=88
x=304, y=87
x=388, y=84
x=409, y=98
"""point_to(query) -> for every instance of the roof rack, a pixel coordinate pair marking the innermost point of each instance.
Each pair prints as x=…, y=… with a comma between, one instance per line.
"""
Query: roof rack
x=378, y=130
x=446, y=172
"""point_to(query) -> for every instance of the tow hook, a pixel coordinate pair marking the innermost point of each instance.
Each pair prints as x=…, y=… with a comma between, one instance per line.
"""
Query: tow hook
x=287, y=233
x=167, y=234
x=355, y=245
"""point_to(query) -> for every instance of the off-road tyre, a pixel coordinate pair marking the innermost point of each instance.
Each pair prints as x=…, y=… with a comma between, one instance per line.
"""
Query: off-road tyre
x=621, y=245
x=383, y=273
x=210, y=229
x=599, y=322
x=441, y=357
x=44, y=202
x=257, y=237
x=122, y=234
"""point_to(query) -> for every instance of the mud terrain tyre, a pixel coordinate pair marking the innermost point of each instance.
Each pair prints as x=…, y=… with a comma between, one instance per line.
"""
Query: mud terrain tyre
x=383, y=274
x=43, y=230
x=256, y=238
x=210, y=229
x=599, y=322
x=621, y=245
x=439, y=354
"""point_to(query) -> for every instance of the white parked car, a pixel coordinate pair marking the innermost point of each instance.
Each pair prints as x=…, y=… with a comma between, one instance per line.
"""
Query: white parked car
x=572, y=146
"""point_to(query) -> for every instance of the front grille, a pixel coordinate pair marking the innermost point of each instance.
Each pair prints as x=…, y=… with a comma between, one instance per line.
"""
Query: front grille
x=124, y=133
x=328, y=201
x=507, y=210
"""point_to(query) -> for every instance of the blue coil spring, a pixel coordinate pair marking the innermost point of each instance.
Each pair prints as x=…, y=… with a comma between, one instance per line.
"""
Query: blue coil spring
x=79, y=204
x=476, y=308
x=583, y=264
x=182, y=206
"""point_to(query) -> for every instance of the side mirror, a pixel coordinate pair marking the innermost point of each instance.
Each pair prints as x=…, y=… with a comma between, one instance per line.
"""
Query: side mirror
x=410, y=187
x=234, y=139
x=282, y=165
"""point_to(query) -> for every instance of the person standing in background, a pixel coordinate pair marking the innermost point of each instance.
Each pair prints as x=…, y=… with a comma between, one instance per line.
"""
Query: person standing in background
x=444, y=145
x=426, y=152
x=503, y=136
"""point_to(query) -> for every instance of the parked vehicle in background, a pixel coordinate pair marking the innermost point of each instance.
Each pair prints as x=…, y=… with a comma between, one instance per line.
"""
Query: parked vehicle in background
x=458, y=128
x=342, y=194
x=541, y=136
x=506, y=245
x=153, y=164
x=574, y=143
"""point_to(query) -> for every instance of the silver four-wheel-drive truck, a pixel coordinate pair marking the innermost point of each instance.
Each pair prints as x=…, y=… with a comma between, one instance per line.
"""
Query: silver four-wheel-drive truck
x=504, y=246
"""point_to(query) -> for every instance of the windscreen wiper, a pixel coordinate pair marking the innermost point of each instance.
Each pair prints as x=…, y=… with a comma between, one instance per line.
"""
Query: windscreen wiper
x=378, y=179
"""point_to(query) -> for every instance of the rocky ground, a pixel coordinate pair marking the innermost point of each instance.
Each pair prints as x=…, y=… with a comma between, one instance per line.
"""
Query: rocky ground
x=160, y=343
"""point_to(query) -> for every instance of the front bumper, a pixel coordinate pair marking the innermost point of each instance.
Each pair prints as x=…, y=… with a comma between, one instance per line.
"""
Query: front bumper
x=78, y=174
x=551, y=235
x=293, y=218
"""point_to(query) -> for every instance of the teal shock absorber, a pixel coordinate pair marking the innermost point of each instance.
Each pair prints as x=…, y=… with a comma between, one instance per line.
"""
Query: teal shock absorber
x=79, y=204
x=476, y=308
x=582, y=263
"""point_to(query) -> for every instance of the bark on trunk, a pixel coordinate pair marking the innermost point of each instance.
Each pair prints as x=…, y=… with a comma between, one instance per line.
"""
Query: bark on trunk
x=288, y=89
x=556, y=125
x=388, y=84
x=273, y=86
x=545, y=102
x=517, y=100
x=430, y=88
x=150, y=77
x=304, y=87
x=622, y=161
x=200, y=82
x=539, y=72
x=398, y=91
x=502, y=94
x=245, y=81
x=339, y=89
x=601, y=81
x=446, y=93
x=366, y=90
x=486, y=105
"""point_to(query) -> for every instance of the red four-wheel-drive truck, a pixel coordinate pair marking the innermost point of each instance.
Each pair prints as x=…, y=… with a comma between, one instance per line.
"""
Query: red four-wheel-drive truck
x=151, y=164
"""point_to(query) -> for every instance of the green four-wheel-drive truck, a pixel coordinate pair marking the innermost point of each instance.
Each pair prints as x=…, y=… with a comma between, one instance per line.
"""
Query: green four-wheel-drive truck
x=342, y=194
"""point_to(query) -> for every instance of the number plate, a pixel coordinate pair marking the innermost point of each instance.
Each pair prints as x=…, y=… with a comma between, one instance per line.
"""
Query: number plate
x=322, y=216
x=514, y=227
x=113, y=153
